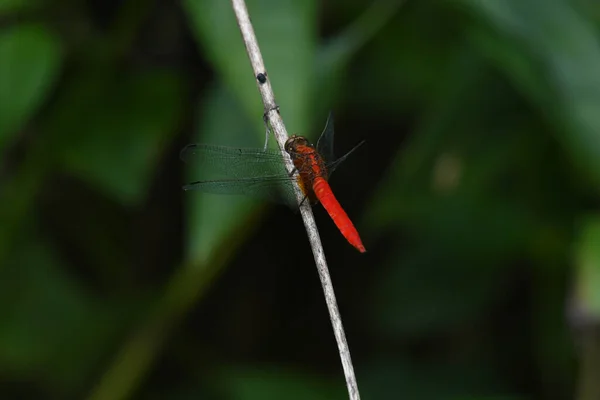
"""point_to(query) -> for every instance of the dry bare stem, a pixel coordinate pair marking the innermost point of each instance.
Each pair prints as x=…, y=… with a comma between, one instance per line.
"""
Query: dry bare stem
x=274, y=118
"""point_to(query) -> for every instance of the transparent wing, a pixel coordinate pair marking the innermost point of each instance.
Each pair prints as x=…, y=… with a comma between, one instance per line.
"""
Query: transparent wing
x=333, y=165
x=234, y=162
x=325, y=146
x=325, y=141
x=275, y=189
x=252, y=172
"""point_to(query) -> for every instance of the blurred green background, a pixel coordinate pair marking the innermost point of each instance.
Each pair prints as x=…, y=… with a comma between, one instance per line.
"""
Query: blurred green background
x=476, y=196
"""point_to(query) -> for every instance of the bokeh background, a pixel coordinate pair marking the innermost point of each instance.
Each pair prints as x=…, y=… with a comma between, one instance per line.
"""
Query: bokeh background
x=476, y=195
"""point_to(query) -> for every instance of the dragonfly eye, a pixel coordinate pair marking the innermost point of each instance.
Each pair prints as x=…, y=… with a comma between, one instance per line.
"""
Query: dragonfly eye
x=290, y=144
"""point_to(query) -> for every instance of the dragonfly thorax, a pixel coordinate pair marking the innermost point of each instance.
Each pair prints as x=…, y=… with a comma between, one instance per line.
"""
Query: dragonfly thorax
x=308, y=163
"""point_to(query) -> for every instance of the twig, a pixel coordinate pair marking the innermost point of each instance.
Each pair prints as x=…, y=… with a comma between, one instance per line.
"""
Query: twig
x=272, y=113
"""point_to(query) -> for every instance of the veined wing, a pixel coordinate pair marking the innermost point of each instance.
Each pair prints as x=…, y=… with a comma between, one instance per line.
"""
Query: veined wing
x=276, y=189
x=325, y=141
x=331, y=166
x=325, y=146
x=252, y=172
x=230, y=162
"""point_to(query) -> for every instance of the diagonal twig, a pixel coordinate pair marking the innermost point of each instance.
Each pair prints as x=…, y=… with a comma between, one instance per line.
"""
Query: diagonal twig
x=272, y=114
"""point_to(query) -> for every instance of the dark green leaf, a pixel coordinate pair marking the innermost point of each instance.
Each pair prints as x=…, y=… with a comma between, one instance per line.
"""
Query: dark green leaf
x=275, y=384
x=30, y=57
x=418, y=296
x=335, y=56
x=588, y=264
x=9, y=6
x=112, y=132
x=400, y=377
x=49, y=324
x=408, y=62
x=564, y=47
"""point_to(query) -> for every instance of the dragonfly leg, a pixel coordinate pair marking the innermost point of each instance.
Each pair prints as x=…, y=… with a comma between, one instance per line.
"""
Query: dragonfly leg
x=303, y=200
x=266, y=121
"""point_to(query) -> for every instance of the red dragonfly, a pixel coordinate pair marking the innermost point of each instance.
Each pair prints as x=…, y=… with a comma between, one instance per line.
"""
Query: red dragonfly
x=261, y=173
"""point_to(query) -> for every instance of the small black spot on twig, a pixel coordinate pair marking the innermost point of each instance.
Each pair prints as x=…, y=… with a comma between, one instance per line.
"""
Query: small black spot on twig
x=262, y=78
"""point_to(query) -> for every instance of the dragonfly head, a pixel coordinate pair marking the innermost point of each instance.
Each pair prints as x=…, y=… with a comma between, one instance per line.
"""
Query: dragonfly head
x=291, y=145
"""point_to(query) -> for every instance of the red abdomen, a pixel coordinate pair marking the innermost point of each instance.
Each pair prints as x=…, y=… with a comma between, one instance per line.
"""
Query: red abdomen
x=323, y=192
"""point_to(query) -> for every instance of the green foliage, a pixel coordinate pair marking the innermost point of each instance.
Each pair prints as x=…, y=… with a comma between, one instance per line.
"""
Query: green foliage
x=275, y=383
x=563, y=46
x=30, y=58
x=111, y=130
x=50, y=323
x=10, y=6
x=588, y=257
x=476, y=196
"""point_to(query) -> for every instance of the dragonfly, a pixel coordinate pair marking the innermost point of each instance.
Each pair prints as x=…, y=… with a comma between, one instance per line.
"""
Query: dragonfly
x=261, y=174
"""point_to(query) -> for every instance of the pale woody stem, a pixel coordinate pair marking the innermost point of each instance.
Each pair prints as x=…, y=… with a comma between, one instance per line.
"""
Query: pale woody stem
x=272, y=113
